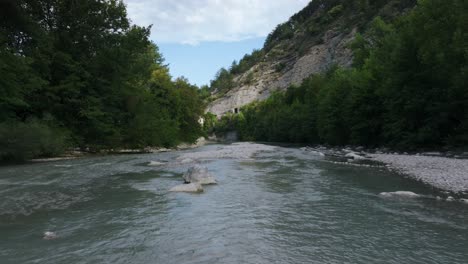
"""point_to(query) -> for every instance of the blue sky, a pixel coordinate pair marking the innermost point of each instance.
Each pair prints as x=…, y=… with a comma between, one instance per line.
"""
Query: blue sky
x=198, y=37
x=199, y=63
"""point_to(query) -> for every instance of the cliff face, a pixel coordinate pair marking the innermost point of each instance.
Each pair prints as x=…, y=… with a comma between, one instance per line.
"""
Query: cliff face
x=312, y=41
x=268, y=79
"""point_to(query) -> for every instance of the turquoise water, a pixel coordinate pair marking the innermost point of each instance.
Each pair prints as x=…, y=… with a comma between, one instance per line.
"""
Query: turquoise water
x=279, y=207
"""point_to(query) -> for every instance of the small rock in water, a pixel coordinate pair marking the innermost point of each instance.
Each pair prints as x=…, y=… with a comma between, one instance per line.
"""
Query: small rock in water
x=464, y=201
x=317, y=153
x=155, y=163
x=404, y=194
x=49, y=235
x=185, y=161
x=190, y=188
x=450, y=199
x=354, y=156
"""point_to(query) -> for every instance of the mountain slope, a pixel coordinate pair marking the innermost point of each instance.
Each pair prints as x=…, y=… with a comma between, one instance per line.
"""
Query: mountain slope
x=312, y=41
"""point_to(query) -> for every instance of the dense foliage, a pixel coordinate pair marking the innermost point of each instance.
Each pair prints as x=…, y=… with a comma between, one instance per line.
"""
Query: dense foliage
x=77, y=73
x=407, y=89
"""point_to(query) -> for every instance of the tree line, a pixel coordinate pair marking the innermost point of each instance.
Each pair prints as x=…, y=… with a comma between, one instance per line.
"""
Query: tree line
x=406, y=90
x=79, y=74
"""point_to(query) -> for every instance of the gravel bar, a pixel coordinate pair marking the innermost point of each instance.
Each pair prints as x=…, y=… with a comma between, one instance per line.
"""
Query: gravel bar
x=443, y=173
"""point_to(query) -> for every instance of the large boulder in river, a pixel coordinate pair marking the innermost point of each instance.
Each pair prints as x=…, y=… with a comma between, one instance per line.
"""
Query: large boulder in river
x=190, y=188
x=199, y=174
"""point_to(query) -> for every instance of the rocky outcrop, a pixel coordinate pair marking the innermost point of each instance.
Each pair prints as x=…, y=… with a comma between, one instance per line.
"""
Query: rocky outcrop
x=319, y=58
x=310, y=42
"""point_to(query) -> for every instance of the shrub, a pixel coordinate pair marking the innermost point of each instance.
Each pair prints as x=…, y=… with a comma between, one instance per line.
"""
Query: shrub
x=20, y=141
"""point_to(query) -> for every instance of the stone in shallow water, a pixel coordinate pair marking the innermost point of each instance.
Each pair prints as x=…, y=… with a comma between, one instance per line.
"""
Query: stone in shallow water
x=49, y=235
x=403, y=194
x=155, y=163
x=185, y=161
x=355, y=156
x=190, y=188
x=199, y=174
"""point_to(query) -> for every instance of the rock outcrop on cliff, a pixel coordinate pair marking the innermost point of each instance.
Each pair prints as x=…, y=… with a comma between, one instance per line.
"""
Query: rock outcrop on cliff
x=312, y=41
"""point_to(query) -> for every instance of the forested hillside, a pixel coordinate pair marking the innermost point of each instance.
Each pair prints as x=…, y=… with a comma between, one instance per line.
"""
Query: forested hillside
x=79, y=74
x=311, y=41
x=407, y=89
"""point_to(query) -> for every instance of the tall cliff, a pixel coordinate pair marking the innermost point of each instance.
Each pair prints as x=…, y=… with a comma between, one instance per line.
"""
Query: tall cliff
x=313, y=40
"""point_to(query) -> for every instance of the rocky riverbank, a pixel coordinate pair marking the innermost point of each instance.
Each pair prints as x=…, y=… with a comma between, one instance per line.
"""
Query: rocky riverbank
x=447, y=174
x=77, y=153
x=446, y=171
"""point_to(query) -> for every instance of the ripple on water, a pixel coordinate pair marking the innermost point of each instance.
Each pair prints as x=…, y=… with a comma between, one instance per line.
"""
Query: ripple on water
x=280, y=206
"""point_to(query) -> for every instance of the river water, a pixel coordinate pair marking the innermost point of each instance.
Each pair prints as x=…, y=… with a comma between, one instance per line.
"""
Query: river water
x=280, y=206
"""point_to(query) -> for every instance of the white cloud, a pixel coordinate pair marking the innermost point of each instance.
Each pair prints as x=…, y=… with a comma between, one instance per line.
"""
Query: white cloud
x=195, y=21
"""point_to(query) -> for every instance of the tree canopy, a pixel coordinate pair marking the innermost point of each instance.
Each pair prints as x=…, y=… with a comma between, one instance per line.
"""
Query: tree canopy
x=82, y=70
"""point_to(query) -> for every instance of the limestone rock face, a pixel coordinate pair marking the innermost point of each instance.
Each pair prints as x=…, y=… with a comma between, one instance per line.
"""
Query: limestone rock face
x=189, y=188
x=199, y=174
x=312, y=41
x=267, y=79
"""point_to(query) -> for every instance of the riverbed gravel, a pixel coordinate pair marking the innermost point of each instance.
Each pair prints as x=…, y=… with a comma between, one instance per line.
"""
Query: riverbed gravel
x=443, y=173
x=243, y=150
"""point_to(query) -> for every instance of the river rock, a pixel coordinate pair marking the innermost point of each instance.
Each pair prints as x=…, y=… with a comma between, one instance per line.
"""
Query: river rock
x=49, y=235
x=199, y=174
x=355, y=156
x=155, y=163
x=402, y=194
x=186, y=161
x=190, y=188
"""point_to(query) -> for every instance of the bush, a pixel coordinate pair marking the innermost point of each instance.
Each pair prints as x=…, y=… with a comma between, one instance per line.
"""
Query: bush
x=20, y=141
x=335, y=10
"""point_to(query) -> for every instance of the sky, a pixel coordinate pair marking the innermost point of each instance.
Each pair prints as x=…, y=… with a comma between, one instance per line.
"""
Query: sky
x=198, y=37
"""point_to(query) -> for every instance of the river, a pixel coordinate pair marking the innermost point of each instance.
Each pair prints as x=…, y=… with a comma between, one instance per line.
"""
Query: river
x=280, y=206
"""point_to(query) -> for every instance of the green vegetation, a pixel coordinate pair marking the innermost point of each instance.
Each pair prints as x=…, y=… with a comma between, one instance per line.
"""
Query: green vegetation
x=77, y=73
x=406, y=90
x=305, y=29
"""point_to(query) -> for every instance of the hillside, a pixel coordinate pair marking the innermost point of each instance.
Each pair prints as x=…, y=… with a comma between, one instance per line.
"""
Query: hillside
x=312, y=41
x=405, y=88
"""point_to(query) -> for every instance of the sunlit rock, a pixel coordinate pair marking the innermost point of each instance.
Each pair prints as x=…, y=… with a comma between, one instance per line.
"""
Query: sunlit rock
x=402, y=194
x=49, y=235
x=189, y=188
x=155, y=163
